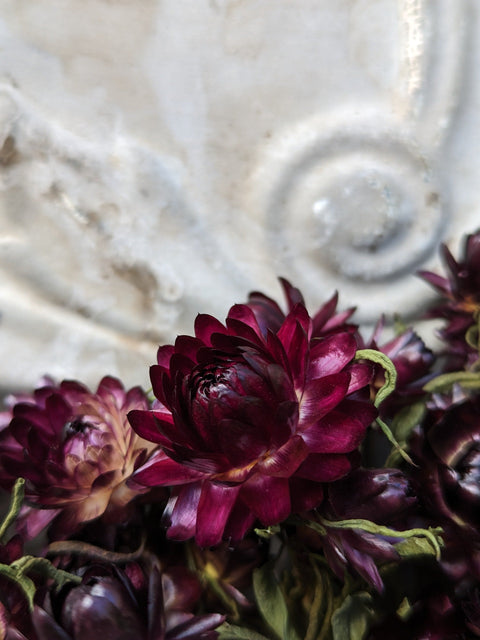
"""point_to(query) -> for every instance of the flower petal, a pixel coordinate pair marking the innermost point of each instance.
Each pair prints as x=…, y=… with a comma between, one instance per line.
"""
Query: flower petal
x=214, y=507
x=335, y=433
x=160, y=470
x=361, y=374
x=292, y=294
x=240, y=442
x=145, y=424
x=239, y=522
x=205, y=326
x=183, y=516
x=324, y=467
x=267, y=497
x=331, y=354
x=321, y=396
x=283, y=462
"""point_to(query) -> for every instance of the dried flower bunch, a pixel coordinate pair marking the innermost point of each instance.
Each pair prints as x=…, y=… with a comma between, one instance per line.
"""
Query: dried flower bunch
x=286, y=479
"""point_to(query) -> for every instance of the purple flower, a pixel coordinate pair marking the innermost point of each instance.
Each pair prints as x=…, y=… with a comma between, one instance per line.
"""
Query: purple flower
x=447, y=451
x=121, y=605
x=254, y=417
x=413, y=363
x=383, y=496
x=461, y=304
x=75, y=449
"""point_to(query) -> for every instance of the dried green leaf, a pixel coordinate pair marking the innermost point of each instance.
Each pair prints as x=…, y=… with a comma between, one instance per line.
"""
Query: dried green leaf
x=415, y=547
x=271, y=602
x=25, y=584
x=352, y=620
x=407, y=419
x=16, y=501
x=444, y=382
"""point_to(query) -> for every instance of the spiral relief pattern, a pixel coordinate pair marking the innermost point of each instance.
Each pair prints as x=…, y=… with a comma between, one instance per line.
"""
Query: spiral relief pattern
x=361, y=208
x=353, y=199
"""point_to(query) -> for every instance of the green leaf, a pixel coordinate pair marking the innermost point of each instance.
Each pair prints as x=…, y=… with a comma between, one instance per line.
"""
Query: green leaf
x=415, y=547
x=16, y=500
x=432, y=534
x=271, y=602
x=231, y=632
x=466, y=379
x=389, y=371
x=25, y=584
x=352, y=620
x=390, y=374
x=269, y=532
x=407, y=419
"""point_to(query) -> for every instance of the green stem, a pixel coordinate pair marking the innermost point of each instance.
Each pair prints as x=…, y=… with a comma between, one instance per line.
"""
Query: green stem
x=385, y=390
x=16, y=500
x=77, y=548
x=16, y=572
x=466, y=379
x=45, y=568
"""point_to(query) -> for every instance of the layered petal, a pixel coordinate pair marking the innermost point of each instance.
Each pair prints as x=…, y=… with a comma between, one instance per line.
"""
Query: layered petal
x=249, y=412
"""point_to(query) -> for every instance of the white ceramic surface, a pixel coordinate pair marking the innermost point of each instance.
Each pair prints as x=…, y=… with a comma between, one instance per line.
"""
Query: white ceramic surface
x=162, y=158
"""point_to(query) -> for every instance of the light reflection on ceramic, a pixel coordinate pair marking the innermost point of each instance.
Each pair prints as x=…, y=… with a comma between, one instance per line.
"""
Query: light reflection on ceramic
x=164, y=161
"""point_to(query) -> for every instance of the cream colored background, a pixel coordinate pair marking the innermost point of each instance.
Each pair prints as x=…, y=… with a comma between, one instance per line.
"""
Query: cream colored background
x=162, y=158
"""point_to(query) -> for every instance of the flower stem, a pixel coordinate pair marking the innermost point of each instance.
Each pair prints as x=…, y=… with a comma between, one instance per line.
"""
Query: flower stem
x=16, y=500
x=390, y=373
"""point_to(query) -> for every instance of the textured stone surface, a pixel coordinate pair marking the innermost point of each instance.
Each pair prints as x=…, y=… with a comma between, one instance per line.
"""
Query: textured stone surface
x=162, y=158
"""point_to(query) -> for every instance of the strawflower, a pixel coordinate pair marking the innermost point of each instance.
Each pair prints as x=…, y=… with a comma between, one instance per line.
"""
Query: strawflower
x=75, y=449
x=254, y=417
x=134, y=603
x=460, y=306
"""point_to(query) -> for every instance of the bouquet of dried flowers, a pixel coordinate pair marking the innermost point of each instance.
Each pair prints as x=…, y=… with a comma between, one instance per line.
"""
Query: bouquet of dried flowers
x=285, y=479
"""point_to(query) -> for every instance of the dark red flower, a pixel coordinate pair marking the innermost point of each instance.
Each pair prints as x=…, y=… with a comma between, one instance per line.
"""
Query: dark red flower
x=413, y=363
x=447, y=451
x=461, y=305
x=75, y=450
x=253, y=418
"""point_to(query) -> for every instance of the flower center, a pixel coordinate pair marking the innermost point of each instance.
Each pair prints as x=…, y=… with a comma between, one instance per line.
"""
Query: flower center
x=211, y=380
x=74, y=427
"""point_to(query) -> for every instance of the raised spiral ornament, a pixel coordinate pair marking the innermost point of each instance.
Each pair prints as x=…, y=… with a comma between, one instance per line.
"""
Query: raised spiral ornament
x=364, y=209
x=358, y=208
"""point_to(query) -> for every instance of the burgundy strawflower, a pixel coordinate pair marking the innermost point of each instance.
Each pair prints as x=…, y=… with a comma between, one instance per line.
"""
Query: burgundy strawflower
x=461, y=305
x=135, y=603
x=327, y=320
x=253, y=417
x=446, y=450
x=75, y=450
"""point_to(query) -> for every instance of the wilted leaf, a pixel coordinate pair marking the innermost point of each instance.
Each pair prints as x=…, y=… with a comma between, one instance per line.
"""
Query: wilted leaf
x=466, y=379
x=407, y=419
x=271, y=602
x=352, y=620
x=414, y=547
